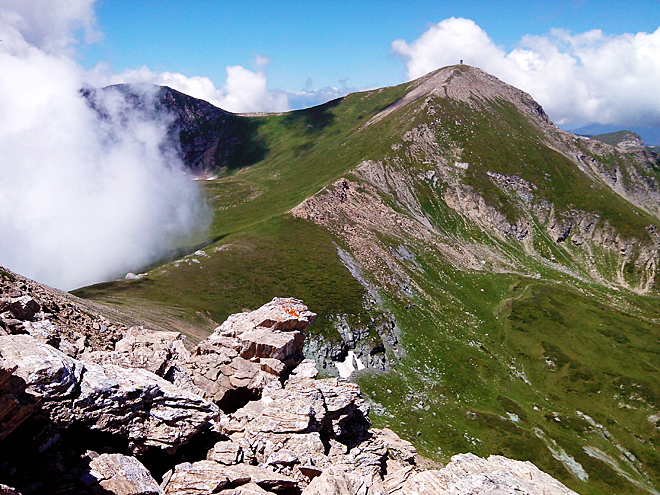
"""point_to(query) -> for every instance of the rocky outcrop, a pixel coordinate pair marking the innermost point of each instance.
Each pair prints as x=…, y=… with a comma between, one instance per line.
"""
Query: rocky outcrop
x=134, y=404
x=57, y=318
x=147, y=349
x=248, y=351
x=472, y=475
x=282, y=431
x=15, y=405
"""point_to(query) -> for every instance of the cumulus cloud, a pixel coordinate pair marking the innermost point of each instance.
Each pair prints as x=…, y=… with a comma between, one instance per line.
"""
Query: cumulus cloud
x=578, y=78
x=244, y=90
x=51, y=25
x=88, y=194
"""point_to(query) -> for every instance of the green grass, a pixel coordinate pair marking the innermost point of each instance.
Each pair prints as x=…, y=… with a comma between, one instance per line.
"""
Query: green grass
x=456, y=385
x=280, y=257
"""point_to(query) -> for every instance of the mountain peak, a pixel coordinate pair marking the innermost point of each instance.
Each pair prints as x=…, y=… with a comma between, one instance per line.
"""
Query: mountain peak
x=469, y=85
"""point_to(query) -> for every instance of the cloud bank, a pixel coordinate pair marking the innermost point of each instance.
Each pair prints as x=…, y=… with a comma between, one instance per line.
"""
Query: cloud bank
x=578, y=78
x=85, y=195
x=244, y=91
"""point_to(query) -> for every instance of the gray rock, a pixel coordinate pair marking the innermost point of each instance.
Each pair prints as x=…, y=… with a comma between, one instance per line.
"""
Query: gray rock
x=497, y=475
x=15, y=404
x=210, y=477
x=250, y=350
x=133, y=403
x=48, y=373
x=147, y=349
x=123, y=475
x=227, y=453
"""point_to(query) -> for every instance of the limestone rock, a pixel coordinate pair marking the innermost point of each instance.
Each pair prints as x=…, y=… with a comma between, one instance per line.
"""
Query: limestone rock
x=290, y=428
x=7, y=490
x=328, y=483
x=47, y=372
x=227, y=453
x=15, y=405
x=123, y=475
x=54, y=317
x=274, y=331
x=135, y=404
x=247, y=489
x=398, y=450
x=283, y=314
x=306, y=369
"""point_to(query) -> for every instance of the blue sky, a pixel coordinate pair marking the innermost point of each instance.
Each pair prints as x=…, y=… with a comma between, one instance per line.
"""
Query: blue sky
x=329, y=42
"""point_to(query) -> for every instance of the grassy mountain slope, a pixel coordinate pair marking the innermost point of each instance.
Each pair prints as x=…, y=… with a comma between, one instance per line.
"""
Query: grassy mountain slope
x=518, y=262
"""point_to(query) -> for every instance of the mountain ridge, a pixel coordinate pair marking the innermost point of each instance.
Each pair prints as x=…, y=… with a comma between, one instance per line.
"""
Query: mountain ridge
x=490, y=265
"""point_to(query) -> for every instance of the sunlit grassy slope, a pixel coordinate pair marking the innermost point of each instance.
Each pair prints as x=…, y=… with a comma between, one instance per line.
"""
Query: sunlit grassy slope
x=549, y=367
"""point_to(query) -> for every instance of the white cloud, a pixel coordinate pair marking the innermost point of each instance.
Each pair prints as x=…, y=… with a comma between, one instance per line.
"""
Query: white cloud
x=247, y=91
x=578, y=78
x=85, y=198
x=51, y=25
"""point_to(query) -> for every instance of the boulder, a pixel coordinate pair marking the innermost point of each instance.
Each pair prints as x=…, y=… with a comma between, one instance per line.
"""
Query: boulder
x=23, y=308
x=227, y=453
x=400, y=453
x=281, y=314
x=48, y=373
x=137, y=405
x=123, y=475
x=15, y=404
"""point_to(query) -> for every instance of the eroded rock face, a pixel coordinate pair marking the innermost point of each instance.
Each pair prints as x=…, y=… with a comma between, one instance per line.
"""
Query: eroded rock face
x=469, y=474
x=55, y=317
x=15, y=405
x=140, y=348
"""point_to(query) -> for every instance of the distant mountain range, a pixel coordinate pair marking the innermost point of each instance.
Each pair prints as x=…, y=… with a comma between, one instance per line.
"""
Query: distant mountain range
x=497, y=277
x=650, y=135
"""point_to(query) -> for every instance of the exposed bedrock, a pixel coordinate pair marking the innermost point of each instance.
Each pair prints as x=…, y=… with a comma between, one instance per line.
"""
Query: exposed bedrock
x=243, y=413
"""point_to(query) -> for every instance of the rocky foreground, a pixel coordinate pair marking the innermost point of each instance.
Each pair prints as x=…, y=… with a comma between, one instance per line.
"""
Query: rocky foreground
x=88, y=406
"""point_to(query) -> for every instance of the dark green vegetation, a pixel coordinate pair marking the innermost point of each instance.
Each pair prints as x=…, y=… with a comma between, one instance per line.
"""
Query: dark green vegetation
x=539, y=347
